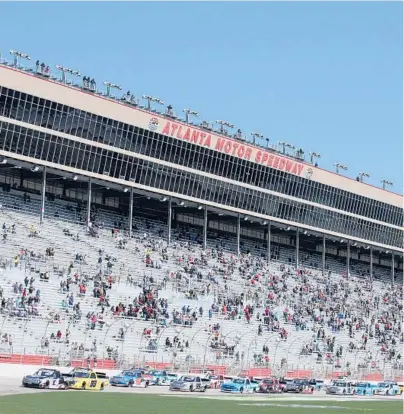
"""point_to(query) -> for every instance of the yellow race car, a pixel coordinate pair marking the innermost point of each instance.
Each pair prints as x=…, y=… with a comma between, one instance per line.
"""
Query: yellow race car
x=86, y=379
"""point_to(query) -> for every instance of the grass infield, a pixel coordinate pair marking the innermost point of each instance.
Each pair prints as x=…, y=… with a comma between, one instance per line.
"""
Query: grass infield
x=124, y=403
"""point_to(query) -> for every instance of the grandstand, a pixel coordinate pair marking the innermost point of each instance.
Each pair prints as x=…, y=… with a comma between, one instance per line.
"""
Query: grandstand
x=131, y=237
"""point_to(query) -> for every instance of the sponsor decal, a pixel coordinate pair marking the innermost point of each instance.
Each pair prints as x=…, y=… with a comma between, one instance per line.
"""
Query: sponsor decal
x=309, y=173
x=235, y=148
x=153, y=124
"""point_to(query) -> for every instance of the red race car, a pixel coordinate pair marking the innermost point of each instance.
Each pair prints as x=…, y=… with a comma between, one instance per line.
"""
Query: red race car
x=270, y=386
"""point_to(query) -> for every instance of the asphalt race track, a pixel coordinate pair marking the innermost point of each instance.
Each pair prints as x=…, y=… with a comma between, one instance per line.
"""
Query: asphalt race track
x=9, y=386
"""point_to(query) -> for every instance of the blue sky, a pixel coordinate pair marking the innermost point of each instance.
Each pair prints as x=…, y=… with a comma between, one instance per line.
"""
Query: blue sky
x=326, y=77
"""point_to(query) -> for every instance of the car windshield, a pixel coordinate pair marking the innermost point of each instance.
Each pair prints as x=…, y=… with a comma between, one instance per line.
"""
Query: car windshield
x=130, y=373
x=383, y=385
x=362, y=384
x=44, y=373
x=155, y=373
x=268, y=381
x=238, y=381
x=187, y=379
x=81, y=374
x=297, y=381
x=339, y=384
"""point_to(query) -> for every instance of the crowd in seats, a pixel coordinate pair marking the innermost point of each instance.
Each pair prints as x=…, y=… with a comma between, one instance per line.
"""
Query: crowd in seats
x=114, y=297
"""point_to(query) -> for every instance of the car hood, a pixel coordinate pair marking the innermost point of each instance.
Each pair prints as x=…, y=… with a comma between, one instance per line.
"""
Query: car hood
x=178, y=383
x=35, y=377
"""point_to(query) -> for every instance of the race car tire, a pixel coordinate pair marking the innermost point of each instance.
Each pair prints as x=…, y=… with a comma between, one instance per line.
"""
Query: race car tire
x=204, y=389
x=373, y=392
x=146, y=384
x=387, y=392
x=130, y=384
x=364, y=392
x=191, y=388
x=102, y=387
x=83, y=386
x=241, y=390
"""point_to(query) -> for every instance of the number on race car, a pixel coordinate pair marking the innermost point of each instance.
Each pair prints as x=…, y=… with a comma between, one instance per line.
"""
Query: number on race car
x=93, y=383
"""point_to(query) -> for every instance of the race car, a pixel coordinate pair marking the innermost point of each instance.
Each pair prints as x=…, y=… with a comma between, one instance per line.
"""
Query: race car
x=171, y=376
x=157, y=377
x=45, y=378
x=387, y=388
x=215, y=381
x=240, y=385
x=270, y=386
x=130, y=378
x=298, y=386
x=341, y=387
x=188, y=383
x=86, y=379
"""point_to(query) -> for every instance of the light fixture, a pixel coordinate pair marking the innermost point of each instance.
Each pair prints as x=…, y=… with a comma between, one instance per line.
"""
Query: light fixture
x=4, y=161
x=18, y=55
x=189, y=112
x=314, y=155
x=35, y=168
x=110, y=86
x=75, y=178
x=224, y=124
x=256, y=135
x=339, y=166
x=386, y=182
x=151, y=99
x=362, y=175
x=200, y=207
x=125, y=190
x=163, y=199
x=264, y=223
x=286, y=145
x=65, y=70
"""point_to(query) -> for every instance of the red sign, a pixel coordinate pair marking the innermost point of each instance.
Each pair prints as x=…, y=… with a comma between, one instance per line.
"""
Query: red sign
x=231, y=147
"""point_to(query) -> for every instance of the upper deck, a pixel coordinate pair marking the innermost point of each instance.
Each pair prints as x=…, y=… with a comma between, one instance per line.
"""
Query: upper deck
x=97, y=104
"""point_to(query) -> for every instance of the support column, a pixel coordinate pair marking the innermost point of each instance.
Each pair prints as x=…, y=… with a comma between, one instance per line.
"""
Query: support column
x=43, y=196
x=348, y=258
x=297, y=249
x=371, y=263
x=205, y=227
x=130, y=212
x=170, y=213
x=269, y=243
x=89, y=203
x=238, y=233
x=392, y=267
x=323, y=259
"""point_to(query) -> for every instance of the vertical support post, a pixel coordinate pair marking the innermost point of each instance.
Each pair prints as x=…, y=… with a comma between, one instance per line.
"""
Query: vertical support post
x=170, y=212
x=348, y=258
x=371, y=263
x=238, y=233
x=269, y=243
x=392, y=267
x=89, y=204
x=43, y=196
x=323, y=259
x=130, y=212
x=297, y=249
x=205, y=227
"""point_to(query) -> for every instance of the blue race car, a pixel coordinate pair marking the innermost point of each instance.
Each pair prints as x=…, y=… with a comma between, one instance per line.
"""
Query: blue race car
x=158, y=377
x=240, y=386
x=366, y=388
x=130, y=378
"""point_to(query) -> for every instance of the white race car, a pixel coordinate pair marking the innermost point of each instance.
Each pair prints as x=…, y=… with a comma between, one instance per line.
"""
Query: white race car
x=45, y=378
x=188, y=383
